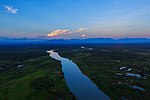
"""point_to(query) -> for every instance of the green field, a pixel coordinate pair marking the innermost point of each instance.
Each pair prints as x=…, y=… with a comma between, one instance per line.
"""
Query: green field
x=41, y=77
x=102, y=65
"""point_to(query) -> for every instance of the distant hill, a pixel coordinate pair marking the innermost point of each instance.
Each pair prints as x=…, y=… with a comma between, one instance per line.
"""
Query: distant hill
x=73, y=41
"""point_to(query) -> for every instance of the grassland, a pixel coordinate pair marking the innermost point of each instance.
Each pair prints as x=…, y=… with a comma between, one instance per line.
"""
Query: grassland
x=103, y=63
x=40, y=77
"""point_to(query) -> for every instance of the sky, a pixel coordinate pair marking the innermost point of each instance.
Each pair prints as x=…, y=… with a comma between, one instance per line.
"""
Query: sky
x=75, y=19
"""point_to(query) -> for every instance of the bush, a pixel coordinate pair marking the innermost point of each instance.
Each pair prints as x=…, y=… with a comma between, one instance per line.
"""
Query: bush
x=43, y=83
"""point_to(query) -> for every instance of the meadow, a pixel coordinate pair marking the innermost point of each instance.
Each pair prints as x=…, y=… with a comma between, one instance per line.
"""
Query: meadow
x=28, y=73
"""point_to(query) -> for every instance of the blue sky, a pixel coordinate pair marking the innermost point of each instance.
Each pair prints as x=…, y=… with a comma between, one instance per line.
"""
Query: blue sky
x=75, y=18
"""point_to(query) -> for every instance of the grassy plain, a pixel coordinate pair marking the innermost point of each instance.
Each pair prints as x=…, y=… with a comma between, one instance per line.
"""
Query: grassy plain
x=41, y=77
x=103, y=63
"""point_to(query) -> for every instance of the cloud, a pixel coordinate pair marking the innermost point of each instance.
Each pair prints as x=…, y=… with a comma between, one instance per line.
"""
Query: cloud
x=79, y=30
x=83, y=35
x=58, y=32
x=10, y=9
x=63, y=32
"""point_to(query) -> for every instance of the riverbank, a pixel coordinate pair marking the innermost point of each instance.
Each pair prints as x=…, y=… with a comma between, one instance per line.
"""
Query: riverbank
x=79, y=84
x=120, y=71
x=102, y=65
x=40, y=77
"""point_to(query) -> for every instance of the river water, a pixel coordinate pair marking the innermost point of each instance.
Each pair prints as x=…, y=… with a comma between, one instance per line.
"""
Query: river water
x=79, y=84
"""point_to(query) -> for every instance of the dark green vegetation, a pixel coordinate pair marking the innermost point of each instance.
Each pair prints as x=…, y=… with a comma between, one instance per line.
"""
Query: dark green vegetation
x=102, y=65
x=40, y=78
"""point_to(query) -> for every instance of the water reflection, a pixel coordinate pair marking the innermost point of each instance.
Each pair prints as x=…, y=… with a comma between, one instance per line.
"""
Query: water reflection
x=79, y=84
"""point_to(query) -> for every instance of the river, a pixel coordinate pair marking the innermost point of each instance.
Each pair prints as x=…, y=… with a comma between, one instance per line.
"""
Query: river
x=79, y=84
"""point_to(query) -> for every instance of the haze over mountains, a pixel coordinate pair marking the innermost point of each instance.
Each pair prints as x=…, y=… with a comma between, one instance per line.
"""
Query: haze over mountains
x=72, y=41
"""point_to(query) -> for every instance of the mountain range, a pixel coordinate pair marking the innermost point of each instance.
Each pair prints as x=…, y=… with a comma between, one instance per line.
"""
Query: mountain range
x=4, y=40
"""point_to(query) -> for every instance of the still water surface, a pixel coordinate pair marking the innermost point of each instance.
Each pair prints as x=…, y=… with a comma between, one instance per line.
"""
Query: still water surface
x=79, y=84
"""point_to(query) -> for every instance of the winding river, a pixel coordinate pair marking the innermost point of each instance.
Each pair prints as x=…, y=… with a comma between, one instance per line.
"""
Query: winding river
x=79, y=84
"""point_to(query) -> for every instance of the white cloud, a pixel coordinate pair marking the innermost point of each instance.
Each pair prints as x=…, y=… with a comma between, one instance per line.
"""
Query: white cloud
x=83, y=35
x=79, y=30
x=10, y=9
x=62, y=32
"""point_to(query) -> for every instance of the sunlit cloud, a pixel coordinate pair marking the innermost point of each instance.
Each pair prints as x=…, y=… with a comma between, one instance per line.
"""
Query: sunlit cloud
x=64, y=32
x=10, y=9
x=58, y=32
